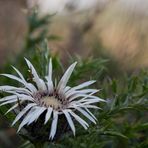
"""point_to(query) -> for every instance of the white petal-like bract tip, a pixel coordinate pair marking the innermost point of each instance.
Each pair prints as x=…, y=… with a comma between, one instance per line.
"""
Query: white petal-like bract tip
x=54, y=125
x=69, y=119
x=66, y=76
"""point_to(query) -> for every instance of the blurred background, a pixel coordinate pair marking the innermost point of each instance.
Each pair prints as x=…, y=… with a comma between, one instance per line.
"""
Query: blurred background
x=116, y=29
x=119, y=27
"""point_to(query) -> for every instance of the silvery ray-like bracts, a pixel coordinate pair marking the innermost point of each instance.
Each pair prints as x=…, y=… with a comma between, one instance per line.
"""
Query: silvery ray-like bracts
x=53, y=100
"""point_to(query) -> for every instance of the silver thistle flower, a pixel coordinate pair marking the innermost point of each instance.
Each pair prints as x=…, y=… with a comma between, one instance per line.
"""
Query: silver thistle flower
x=44, y=96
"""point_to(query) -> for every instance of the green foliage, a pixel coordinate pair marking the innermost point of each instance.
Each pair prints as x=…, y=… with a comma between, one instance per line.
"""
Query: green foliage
x=38, y=30
x=122, y=122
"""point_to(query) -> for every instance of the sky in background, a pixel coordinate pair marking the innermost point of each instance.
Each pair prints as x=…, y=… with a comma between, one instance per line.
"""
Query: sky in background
x=61, y=6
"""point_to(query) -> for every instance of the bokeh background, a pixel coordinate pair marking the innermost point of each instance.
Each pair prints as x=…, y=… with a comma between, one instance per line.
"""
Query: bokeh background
x=116, y=29
x=119, y=26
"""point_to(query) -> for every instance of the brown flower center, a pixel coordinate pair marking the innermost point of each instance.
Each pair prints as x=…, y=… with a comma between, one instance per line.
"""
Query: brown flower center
x=51, y=101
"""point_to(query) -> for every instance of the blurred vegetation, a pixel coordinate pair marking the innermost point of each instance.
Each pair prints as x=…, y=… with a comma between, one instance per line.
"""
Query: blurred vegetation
x=122, y=121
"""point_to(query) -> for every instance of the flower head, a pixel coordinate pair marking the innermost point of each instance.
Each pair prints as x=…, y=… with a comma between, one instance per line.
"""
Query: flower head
x=43, y=96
